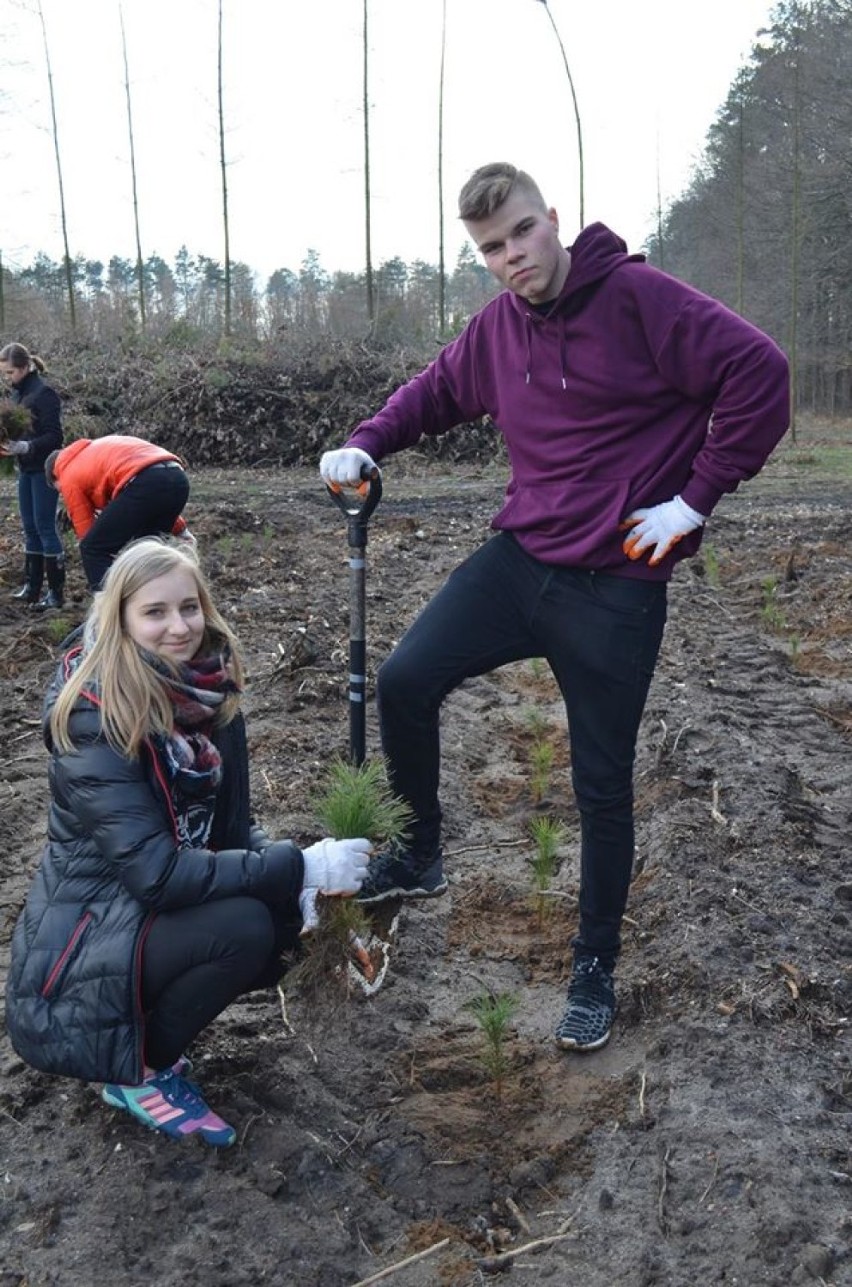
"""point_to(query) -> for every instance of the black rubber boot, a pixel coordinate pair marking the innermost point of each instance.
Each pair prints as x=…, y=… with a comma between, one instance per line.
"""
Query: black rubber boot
x=55, y=597
x=34, y=575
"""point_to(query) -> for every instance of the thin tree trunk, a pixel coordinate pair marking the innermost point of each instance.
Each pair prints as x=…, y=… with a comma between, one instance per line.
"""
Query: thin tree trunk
x=2, y=296
x=660, y=247
x=224, y=169
x=442, y=270
x=576, y=112
x=140, y=267
x=795, y=232
x=69, y=275
x=741, y=207
x=371, y=301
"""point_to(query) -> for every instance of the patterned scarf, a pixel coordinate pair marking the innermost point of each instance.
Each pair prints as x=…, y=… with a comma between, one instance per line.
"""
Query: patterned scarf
x=193, y=764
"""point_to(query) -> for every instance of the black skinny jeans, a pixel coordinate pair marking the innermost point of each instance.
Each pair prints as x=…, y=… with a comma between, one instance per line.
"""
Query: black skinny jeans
x=197, y=960
x=600, y=635
x=146, y=506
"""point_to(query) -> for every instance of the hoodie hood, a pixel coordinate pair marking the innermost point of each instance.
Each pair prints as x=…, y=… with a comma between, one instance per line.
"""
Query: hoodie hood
x=596, y=253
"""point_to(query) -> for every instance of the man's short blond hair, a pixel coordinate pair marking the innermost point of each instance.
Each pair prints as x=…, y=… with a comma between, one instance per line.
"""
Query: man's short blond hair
x=489, y=187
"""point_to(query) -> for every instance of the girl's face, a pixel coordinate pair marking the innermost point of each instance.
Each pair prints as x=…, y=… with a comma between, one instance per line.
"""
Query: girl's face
x=12, y=374
x=165, y=616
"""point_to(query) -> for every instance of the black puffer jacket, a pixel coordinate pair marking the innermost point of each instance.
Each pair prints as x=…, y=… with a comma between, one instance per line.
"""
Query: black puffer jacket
x=110, y=865
x=46, y=410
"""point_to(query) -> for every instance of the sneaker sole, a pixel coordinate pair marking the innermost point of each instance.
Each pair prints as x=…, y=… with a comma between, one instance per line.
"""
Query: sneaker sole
x=399, y=892
x=568, y=1044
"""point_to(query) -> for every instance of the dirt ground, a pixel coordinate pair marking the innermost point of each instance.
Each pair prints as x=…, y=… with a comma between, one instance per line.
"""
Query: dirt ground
x=708, y=1143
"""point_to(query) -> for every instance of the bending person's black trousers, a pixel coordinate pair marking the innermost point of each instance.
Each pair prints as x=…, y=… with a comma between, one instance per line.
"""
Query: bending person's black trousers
x=197, y=960
x=146, y=506
x=600, y=635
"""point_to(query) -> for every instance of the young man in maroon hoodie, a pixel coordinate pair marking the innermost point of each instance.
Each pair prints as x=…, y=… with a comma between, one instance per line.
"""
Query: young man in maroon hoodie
x=630, y=403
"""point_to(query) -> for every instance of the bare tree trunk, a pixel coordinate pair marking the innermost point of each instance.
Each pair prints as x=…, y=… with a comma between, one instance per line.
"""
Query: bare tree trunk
x=741, y=206
x=442, y=270
x=140, y=267
x=2, y=296
x=576, y=111
x=224, y=169
x=69, y=274
x=795, y=233
x=371, y=300
x=660, y=248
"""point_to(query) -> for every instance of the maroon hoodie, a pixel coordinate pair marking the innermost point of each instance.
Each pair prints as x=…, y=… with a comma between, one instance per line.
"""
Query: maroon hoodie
x=631, y=389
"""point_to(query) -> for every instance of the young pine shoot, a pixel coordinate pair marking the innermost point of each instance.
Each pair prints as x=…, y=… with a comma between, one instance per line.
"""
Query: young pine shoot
x=493, y=1013
x=548, y=834
x=541, y=767
x=354, y=800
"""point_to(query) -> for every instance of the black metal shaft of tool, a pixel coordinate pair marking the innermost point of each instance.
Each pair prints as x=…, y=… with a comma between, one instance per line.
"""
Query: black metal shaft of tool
x=357, y=517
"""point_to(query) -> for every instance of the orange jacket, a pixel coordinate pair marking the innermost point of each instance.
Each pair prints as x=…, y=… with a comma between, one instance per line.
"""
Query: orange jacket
x=90, y=472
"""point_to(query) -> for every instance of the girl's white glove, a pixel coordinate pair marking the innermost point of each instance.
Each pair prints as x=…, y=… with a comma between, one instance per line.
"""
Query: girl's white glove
x=342, y=468
x=310, y=913
x=336, y=866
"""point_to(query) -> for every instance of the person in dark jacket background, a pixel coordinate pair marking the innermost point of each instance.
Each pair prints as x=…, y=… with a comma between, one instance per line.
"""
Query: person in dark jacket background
x=37, y=502
x=629, y=403
x=158, y=900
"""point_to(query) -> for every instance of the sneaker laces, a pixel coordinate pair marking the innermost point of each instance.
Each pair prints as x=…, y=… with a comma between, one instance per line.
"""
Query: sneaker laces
x=591, y=982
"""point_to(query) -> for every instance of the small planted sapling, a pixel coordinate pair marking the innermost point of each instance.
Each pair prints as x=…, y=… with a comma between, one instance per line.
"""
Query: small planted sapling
x=548, y=834
x=493, y=1012
x=354, y=800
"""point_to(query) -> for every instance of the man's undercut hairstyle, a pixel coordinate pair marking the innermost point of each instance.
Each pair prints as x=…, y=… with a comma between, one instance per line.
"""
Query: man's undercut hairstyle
x=489, y=187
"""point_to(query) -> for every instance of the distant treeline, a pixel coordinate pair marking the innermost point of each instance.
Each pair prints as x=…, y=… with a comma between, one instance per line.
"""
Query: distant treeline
x=185, y=300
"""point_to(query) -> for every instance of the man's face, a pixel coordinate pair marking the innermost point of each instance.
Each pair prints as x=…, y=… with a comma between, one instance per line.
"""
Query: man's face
x=520, y=246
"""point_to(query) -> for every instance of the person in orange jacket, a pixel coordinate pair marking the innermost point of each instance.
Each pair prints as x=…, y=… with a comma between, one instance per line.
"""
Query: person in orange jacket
x=116, y=489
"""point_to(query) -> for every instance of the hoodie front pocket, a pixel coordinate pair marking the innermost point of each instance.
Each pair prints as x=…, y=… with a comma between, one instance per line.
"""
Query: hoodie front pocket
x=67, y=955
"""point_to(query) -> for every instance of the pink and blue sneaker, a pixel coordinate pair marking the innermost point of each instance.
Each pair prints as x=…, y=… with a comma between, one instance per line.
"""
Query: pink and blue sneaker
x=167, y=1102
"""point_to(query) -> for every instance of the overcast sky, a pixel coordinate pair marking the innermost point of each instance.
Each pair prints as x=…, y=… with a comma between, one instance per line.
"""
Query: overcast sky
x=650, y=76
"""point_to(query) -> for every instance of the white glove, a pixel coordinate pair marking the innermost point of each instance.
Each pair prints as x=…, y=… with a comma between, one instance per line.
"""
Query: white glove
x=661, y=526
x=336, y=866
x=16, y=447
x=342, y=468
x=308, y=908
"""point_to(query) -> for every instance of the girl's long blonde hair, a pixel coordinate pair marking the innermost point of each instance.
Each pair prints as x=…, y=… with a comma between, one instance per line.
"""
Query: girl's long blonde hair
x=133, y=701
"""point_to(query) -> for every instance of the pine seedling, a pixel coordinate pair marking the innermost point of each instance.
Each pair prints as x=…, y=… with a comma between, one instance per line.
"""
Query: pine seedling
x=355, y=800
x=493, y=1012
x=711, y=565
x=548, y=834
x=541, y=764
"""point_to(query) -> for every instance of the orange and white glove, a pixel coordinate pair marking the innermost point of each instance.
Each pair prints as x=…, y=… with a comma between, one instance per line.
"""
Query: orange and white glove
x=342, y=468
x=661, y=526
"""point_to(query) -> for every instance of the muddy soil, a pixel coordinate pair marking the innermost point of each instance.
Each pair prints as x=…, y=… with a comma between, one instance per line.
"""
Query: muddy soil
x=708, y=1143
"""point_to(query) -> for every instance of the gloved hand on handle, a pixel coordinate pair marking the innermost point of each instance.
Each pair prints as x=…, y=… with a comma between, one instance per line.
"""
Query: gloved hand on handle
x=342, y=468
x=336, y=866
x=661, y=526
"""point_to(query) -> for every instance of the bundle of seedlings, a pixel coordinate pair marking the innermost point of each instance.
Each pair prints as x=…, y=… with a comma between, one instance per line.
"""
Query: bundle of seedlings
x=15, y=421
x=354, y=800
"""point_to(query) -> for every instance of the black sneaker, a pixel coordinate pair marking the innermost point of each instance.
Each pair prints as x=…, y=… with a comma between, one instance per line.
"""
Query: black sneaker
x=587, y=1021
x=393, y=874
